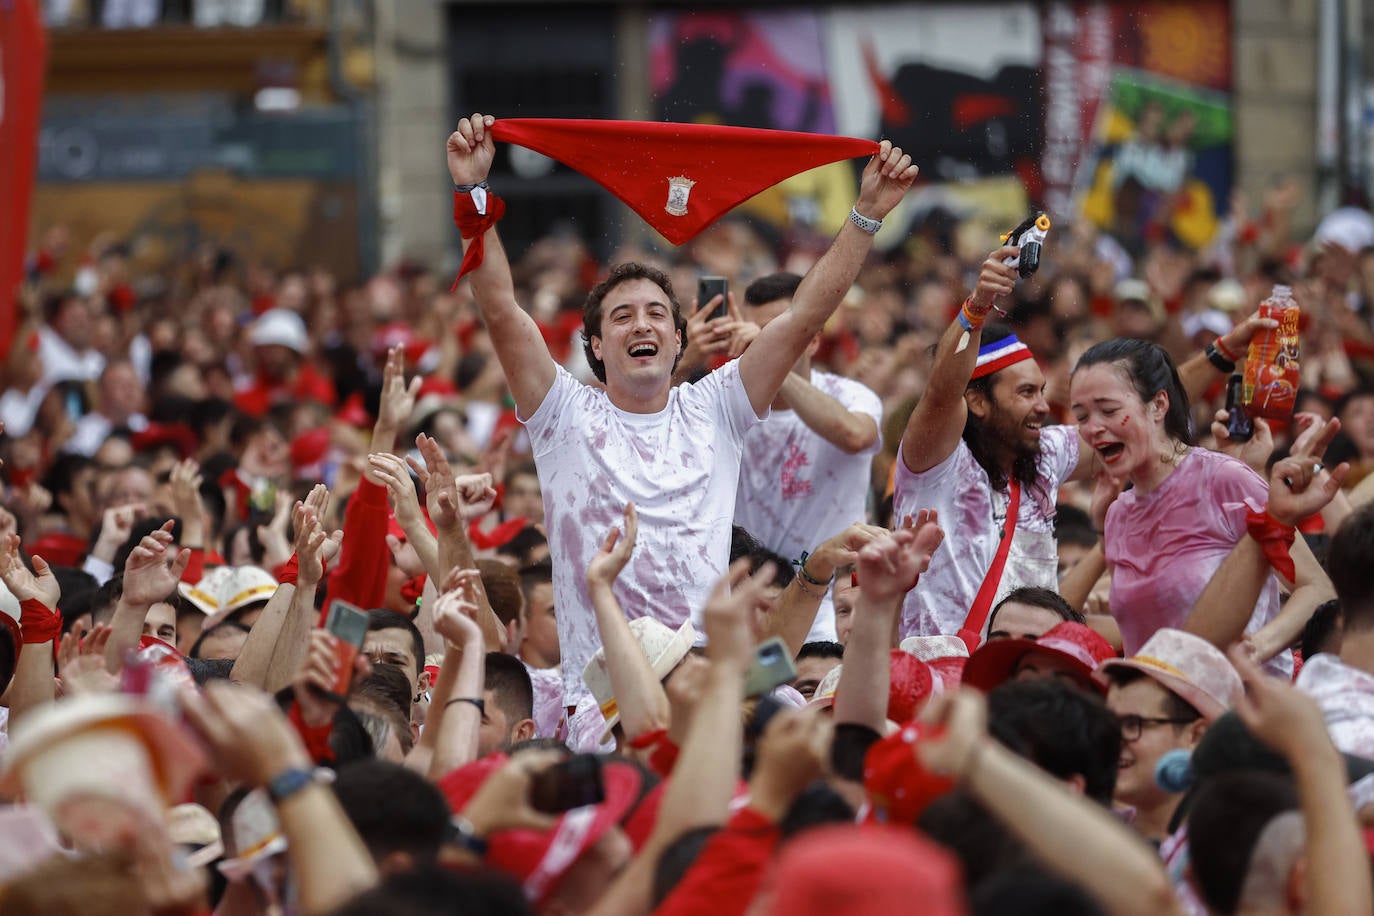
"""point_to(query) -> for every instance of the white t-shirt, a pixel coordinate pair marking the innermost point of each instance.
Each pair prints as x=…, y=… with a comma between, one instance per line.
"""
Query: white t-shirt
x=972, y=517
x=1346, y=697
x=548, y=700
x=680, y=468
x=796, y=489
x=62, y=363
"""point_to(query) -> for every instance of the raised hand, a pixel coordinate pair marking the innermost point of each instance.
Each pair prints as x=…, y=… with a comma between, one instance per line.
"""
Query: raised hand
x=40, y=585
x=398, y=398
x=886, y=179
x=313, y=685
x=888, y=566
x=615, y=551
x=152, y=573
x=476, y=495
x=1280, y=715
x=1237, y=340
x=1255, y=451
x=391, y=472
x=441, y=488
x=730, y=611
x=455, y=611
x=81, y=661
x=115, y=527
x=313, y=546
x=186, y=503
x=471, y=149
x=276, y=545
x=841, y=550
x=958, y=726
x=997, y=278
x=1300, y=485
x=245, y=733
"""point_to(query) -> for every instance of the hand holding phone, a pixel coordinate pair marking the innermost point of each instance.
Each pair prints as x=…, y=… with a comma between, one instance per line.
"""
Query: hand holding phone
x=348, y=624
x=1239, y=426
x=710, y=287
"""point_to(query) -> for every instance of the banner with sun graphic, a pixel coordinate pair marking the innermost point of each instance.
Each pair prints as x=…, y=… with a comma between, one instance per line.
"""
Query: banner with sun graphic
x=1138, y=119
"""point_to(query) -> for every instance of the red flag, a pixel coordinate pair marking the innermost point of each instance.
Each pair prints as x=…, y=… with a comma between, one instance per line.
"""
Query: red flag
x=23, y=57
x=679, y=177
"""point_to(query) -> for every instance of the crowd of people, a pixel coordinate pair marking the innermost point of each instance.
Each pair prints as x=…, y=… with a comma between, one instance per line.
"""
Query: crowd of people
x=890, y=581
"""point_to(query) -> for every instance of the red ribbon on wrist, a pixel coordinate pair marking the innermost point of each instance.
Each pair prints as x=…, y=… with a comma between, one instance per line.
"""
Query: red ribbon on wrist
x=288, y=572
x=473, y=225
x=1275, y=538
x=38, y=623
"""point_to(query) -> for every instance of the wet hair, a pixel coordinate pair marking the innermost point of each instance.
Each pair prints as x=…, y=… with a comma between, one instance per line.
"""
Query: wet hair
x=1074, y=526
x=383, y=619
x=509, y=683
x=432, y=890
x=1061, y=729
x=1224, y=824
x=502, y=585
x=771, y=288
x=592, y=310
x=1347, y=563
x=220, y=627
x=1028, y=888
x=534, y=575
x=1037, y=597
x=1322, y=632
x=982, y=442
x=386, y=686
x=394, y=809
x=820, y=649
x=1150, y=370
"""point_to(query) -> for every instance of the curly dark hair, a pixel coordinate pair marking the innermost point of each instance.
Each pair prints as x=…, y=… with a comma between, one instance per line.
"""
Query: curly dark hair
x=591, y=311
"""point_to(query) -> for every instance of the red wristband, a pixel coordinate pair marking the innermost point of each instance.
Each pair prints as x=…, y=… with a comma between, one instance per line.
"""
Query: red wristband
x=1225, y=351
x=38, y=622
x=1275, y=538
x=473, y=225
x=288, y=572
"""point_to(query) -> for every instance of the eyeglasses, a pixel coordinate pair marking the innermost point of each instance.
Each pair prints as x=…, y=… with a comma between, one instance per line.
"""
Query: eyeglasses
x=1132, y=725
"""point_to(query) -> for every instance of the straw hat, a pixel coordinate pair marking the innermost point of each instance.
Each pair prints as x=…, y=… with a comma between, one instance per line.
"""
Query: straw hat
x=664, y=649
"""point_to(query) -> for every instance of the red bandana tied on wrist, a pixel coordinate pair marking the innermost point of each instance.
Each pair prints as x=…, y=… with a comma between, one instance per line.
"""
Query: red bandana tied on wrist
x=38, y=622
x=474, y=213
x=1275, y=538
x=999, y=354
x=679, y=177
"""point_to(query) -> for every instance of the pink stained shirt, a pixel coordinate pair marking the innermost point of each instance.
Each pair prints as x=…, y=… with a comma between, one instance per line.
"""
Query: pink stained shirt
x=1165, y=546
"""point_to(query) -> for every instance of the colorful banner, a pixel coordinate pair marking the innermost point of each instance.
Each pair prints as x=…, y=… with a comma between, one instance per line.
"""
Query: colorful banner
x=23, y=56
x=1138, y=123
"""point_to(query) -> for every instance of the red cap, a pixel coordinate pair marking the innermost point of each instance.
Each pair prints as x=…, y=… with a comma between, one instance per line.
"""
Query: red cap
x=538, y=859
x=911, y=683
x=352, y=411
x=1081, y=646
x=179, y=435
x=865, y=870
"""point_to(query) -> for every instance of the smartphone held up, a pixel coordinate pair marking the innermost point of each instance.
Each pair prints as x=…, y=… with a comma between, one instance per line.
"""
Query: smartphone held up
x=709, y=288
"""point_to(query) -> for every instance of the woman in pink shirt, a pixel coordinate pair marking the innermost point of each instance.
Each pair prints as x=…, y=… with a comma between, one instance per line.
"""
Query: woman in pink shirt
x=1185, y=510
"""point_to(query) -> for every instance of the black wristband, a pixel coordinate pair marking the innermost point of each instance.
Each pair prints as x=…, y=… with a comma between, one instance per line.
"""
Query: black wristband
x=801, y=571
x=468, y=188
x=475, y=701
x=1216, y=359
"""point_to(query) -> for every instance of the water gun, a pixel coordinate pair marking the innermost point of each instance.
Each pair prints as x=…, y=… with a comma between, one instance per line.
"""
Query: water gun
x=1028, y=236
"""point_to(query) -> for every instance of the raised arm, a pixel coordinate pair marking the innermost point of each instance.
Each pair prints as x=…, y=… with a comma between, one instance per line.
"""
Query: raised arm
x=639, y=696
x=933, y=431
x=524, y=356
x=850, y=431
x=1298, y=487
x=1073, y=836
x=1199, y=373
x=764, y=366
x=794, y=613
x=888, y=568
x=38, y=593
x=1290, y=722
x=150, y=574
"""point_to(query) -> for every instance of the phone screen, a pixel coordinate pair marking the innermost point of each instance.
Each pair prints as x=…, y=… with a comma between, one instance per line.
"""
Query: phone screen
x=349, y=625
x=1239, y=426
x=708, y=289
x=772, y=666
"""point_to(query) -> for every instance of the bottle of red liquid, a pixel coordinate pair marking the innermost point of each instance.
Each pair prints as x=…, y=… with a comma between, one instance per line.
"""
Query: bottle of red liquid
x=1271, y=365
